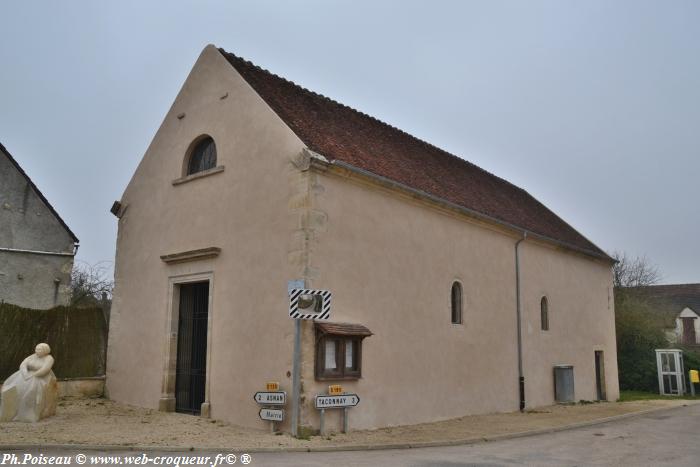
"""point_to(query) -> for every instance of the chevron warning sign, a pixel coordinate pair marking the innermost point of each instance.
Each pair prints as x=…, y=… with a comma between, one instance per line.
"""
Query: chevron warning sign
x=309, y=304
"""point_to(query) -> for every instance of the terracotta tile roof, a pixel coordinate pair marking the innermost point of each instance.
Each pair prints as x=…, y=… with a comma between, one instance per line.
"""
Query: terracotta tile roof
x=341, y=133
x=39, y=193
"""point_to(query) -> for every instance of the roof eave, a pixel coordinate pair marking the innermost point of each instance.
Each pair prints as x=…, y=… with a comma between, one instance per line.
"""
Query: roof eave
x=594, y=252
x=318, y=163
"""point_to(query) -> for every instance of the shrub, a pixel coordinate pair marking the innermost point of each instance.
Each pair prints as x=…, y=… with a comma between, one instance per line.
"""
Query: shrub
x=639, y=333
x=691, y=358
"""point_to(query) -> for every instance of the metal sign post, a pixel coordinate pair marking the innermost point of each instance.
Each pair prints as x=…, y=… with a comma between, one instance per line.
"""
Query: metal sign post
x=296, y=380
x=296, y=361
x=271, y=415
x=303, y=304
x=693, y=377
x=274, y=398
x=337, y=401
x=322, y=428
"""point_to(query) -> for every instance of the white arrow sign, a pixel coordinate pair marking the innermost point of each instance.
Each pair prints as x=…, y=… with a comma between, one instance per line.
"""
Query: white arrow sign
x=342, y=400
x=273, y=415
x=271, y=398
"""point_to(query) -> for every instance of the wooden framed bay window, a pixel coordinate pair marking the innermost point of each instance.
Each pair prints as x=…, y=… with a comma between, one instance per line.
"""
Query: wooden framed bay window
x=339, y=351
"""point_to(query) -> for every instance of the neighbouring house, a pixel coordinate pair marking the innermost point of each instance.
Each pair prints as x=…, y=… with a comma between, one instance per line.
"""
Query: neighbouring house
x=679, y=307
x=450, y=286
x=36, y=246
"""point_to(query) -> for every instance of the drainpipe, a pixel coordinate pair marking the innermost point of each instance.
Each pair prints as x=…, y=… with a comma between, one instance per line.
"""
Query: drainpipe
x=521, y=376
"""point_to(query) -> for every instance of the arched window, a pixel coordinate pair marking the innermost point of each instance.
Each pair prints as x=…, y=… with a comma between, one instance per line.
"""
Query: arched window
x=544, y=314
x=202, y=157
x=456, y=303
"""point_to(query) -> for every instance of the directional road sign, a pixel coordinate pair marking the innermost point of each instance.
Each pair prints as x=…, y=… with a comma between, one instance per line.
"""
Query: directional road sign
x=332, y=402
x=270, y=397
x=273, y=415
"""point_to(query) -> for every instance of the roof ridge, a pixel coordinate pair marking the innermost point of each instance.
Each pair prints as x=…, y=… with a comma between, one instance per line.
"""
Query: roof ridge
x=372, y=117
x=331, y=128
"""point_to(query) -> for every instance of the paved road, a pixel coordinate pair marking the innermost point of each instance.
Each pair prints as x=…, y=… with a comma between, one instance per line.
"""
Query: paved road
x=666, y=438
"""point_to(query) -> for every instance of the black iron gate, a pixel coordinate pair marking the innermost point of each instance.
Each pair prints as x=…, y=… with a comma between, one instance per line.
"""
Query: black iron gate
x=190, y=375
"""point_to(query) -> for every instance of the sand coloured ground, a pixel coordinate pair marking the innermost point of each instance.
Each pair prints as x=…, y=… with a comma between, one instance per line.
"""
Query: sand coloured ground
x=104, y=422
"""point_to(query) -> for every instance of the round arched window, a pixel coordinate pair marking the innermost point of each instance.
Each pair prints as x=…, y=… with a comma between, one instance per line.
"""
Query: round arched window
x=456, y=296
x=544, y=314
x=202, y=157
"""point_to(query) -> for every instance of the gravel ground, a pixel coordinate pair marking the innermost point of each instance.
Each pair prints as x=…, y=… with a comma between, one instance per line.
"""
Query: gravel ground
x=103, y=422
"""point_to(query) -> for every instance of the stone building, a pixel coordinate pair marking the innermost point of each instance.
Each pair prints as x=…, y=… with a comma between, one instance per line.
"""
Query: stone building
x=36, y=247
x=678, y=306
x=450, y=286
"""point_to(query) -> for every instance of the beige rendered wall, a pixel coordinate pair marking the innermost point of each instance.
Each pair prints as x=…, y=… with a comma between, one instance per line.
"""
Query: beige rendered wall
x=243, y=210
x=391, y=260
x=581, y=321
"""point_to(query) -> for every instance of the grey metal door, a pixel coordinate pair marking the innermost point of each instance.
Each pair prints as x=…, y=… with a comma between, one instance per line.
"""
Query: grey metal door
x=191, y=368
x=564, y=383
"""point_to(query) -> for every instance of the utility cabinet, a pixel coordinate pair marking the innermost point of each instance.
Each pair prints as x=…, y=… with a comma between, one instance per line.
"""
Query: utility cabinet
x=564, y=383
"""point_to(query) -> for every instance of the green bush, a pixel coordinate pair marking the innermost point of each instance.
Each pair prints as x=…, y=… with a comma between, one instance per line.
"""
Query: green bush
x=639, y=333
x=691, y=361
x=77, y=336
x=691, y=358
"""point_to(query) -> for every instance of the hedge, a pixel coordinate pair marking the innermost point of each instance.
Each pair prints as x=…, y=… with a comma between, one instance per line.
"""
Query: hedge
x=77, y=336
x=639, y=333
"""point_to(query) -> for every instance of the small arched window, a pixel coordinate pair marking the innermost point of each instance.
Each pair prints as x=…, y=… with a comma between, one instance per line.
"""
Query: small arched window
x=202, y=157
x=456, y=303
x=544, y=314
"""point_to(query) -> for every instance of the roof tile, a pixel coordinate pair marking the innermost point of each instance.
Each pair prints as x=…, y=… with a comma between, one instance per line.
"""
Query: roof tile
x=343, y=329
x=669, y=299
x=341, y=133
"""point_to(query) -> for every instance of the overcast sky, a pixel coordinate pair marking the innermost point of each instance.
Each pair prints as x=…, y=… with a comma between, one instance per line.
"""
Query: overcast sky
x=591, y=106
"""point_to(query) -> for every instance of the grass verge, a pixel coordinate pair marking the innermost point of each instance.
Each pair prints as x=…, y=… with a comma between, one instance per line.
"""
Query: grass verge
x=627, y=396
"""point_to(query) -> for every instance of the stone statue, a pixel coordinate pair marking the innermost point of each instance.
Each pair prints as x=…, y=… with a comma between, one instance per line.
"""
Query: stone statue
x=31, y=393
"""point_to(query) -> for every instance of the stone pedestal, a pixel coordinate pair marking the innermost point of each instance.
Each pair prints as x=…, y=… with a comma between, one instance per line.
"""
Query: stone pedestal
x=12, y=407
x=205, y=411
x=10, y=402
x=166, y=404
x=50, y=398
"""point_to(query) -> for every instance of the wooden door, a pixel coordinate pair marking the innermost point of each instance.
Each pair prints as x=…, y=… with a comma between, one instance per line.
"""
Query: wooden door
x=688, y=330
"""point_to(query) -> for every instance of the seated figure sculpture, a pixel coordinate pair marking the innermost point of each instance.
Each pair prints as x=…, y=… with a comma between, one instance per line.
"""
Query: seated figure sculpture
x=31, y=393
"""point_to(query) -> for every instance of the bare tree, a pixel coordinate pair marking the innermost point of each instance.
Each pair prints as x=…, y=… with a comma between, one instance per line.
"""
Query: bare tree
x=91, y=284
x=634, y=272
x=638, y=327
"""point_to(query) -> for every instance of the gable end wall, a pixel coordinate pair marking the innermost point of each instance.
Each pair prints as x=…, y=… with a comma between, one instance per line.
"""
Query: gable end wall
x=31, y=280
x=254, y=211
